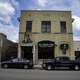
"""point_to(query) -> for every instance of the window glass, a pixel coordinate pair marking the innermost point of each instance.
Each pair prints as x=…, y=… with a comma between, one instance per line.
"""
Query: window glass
x=63, y=26
x=28, y=26
x=46, y=26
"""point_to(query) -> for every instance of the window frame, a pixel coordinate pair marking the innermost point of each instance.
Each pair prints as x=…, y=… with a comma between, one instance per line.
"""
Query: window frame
x=28, y=26
x=45, y=26
x=63, y=28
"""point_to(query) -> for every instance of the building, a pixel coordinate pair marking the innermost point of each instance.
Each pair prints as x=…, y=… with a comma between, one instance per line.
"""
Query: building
x=45, y=34
x=8, y=48
x=77, y=49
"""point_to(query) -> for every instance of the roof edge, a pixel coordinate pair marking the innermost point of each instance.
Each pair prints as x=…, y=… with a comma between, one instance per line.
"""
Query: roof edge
x=45, y=11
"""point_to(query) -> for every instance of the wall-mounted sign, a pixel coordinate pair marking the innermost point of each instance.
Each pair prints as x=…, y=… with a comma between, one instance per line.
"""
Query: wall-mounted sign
x=46, y=44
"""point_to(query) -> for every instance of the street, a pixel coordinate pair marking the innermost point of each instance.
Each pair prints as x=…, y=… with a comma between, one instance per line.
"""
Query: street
x=35, y=74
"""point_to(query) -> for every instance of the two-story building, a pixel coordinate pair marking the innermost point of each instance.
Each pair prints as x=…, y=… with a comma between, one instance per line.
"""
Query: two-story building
x=45, y=34
x=8, y=49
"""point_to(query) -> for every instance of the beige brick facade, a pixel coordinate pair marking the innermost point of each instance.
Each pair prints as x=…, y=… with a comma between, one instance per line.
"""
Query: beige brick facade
x=54, y=36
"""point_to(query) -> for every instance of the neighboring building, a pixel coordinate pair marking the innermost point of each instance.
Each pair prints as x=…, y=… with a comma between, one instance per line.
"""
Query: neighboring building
x=45, y=34
x=77, y=49
x=8, y=48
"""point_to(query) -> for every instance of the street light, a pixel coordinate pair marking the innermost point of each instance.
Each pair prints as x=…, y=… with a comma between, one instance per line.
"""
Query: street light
x=1, y=45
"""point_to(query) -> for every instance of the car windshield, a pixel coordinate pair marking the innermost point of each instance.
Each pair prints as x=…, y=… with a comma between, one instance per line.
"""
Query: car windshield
x=62, y=58
x=19, y=60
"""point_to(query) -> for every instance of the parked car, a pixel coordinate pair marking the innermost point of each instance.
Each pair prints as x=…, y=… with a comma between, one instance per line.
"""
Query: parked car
x=61, y=63
x=17, y=63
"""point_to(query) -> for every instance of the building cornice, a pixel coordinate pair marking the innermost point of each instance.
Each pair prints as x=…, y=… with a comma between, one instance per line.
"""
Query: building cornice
x=45, y=11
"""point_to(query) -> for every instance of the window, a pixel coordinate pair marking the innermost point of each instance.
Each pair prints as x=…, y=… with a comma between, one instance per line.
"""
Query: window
x=28, y=26
x=46, y=26
x=61, y=58
x=63, y=26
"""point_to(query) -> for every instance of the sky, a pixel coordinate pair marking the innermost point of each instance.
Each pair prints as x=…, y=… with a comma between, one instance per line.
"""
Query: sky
x=10, y=11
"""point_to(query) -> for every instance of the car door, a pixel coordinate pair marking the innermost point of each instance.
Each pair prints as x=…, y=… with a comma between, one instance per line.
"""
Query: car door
x=20, y=64
x=64, y=63
x=14, y=63
x=57, y=62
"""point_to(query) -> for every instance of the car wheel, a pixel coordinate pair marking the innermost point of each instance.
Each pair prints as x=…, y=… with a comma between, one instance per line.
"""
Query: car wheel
x=25, y=66
x=5, y=66
x=76, y=67
x=49, y=67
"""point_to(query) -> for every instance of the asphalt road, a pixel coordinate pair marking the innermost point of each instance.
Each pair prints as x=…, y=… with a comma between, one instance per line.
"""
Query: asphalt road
x=22, y=74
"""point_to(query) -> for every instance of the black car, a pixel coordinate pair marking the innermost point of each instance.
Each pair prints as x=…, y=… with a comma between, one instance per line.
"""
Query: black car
x=17, y=63
x=61, y=63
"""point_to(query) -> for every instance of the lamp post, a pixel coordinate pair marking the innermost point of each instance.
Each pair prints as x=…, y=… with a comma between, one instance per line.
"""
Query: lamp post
x=1, y=44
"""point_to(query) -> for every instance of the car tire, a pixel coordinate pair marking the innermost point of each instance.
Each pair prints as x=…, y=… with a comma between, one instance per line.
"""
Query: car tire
x=49, y=67
x=5, y=66
x=25, y=66
x=76, y=67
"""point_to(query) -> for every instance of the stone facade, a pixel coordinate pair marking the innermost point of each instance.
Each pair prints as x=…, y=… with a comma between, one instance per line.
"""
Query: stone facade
x=62, y=41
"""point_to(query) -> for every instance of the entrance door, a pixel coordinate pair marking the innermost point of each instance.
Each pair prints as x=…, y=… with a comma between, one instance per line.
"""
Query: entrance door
x=46, y=50
x=27, y=52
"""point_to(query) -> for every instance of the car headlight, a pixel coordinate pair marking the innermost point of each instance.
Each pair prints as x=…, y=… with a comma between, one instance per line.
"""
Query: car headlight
x=44, y=65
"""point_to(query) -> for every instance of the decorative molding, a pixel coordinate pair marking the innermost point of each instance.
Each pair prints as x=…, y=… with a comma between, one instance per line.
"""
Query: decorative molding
x=35, y=32
x=44, y=33
x=62, y=33
x=21, y=32
x=70, y=33
x=56, y=33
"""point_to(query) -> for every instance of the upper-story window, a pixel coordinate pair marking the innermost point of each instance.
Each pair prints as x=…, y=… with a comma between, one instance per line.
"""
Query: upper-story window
x=63, y=26
x=28, y=26
x=46, y=26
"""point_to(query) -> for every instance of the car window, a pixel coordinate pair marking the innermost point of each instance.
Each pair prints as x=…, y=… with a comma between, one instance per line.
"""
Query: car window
x=57, y=58
x=19, y=60
x=15, y=60
x=62, y=58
